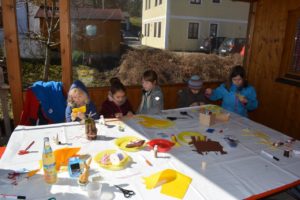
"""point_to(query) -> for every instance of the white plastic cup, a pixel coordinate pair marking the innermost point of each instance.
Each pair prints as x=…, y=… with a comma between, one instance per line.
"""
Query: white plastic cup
x=94, y=189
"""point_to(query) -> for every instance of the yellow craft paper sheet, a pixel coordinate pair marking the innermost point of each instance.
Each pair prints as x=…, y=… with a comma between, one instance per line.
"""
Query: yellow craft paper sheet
x=213, y=108
x=150, y=122
x=263, y=138
x=81, y=109
x=173, y=183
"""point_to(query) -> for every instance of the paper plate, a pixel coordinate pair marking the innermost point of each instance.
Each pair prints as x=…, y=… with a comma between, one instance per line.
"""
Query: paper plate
x=123, y=141
x=185, y=136
x=109, y=166
x=162, y=144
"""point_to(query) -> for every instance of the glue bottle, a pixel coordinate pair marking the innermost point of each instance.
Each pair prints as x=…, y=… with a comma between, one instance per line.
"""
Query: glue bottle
x=49, y=165
x=102, y=120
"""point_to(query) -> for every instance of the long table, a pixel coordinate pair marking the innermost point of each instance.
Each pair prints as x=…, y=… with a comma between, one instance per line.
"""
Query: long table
x=244, y=172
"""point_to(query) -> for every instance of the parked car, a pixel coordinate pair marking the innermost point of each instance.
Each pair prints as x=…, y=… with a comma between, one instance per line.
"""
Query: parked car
x=232, y=45
x=211, y=44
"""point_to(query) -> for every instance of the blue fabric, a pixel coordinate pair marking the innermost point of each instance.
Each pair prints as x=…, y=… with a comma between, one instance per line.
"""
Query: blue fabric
x=230, y=101
x=52, y=100
x=90, y=107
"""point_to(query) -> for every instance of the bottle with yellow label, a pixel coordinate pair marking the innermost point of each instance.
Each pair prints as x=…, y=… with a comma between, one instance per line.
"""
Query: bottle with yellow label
x=49, y=165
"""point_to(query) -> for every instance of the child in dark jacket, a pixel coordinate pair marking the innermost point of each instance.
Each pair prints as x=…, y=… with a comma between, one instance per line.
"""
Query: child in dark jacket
x=79, y=103
x=192, y=95
x=116, y=104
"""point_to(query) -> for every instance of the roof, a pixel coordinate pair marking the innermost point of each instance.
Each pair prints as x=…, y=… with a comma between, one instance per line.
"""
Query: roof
x=87, y=13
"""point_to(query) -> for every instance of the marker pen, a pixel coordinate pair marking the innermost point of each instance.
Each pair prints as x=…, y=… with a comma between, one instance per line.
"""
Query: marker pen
x=11, y=196
x=269, y=155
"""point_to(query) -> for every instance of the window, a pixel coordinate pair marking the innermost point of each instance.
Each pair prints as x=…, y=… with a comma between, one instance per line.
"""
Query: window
x=159, y=30
x=145, y=29
x=195, y=1
x=193, y=30
x=148, y=3
x=148, y=30
x=154, y=33
x=160, y=2
x=156, y=2
x=216, y=1
x=290, y=62
x=213, y=30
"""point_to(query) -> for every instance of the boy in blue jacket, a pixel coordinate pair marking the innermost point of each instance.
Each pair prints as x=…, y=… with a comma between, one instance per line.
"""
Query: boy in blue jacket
x=236, y=94
x=79, y=103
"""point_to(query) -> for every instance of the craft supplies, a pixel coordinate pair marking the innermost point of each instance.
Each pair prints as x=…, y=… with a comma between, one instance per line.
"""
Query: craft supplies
x=162, y=144
x=155, y=149
x=207, y=118
x=203, y=147
x=186, y=114
x=50, y=174
x=102, y=120
x=12, y=196
x=147, y=161
x=175, y=118
x=121, y=127
x=269, y=155
x=151, y=122
x=25, y=151
x=203, y=165
x=126, y=193
x=286, y=153
x=130, y=143
x=169, y=179
x=210, y=130
x=231, y=140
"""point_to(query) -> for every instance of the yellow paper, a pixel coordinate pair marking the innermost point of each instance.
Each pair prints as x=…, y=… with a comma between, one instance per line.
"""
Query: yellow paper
x=173, y=183
x=185, y=136
x=81, y=109
x=150, y=122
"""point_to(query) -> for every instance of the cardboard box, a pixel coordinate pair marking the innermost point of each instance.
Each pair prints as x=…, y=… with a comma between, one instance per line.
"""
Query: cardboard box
x=207, y=119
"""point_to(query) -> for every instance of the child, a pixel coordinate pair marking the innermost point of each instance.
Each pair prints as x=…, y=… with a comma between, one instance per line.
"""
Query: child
x=192, y=95
x=79, y=104
x=116, y=104
x=237, y=96
x=152, y=99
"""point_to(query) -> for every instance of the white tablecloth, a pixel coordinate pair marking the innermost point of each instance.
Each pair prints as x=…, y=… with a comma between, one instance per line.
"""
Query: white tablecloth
x=241, y=173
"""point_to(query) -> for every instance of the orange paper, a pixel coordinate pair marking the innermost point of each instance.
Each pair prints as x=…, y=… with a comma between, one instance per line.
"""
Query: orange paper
x=62, y=156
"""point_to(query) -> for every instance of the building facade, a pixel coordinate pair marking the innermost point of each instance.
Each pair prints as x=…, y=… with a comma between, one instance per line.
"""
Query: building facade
x=181, y=25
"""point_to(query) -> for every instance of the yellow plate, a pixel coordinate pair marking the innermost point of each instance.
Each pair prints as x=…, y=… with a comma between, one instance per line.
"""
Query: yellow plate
x=123, y=141
x=185, y=136
x=109, y=166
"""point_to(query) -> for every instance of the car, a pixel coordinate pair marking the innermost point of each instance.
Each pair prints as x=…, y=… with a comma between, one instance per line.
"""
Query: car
x=231, y=45
x=211, y=44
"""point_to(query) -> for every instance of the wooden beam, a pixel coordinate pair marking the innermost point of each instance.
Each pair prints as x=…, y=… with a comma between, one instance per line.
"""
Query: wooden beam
x=13, y=56
x=65, y=43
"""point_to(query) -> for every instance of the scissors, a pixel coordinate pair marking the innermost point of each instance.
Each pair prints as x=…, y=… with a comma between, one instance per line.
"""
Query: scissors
x=127, y=193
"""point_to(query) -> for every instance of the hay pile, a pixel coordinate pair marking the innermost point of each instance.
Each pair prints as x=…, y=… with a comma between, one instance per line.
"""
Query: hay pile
x=175, y=67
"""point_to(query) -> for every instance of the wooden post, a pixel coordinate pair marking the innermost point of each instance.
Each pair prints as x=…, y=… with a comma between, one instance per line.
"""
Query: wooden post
x=12, y=56
x=65, y=42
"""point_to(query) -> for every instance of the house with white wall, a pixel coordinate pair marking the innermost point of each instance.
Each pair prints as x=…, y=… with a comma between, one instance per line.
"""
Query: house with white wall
x=181, y=25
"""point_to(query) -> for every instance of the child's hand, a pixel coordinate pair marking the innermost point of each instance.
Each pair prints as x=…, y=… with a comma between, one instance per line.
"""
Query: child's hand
x=129, y=114
x=208, y=92
x=194, y=104
x=81, y=115
x=242, y=99
x=118, y=115
x=73, y=116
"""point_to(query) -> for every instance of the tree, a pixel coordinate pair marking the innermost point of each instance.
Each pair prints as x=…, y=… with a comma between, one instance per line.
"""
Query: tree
x=49, y=27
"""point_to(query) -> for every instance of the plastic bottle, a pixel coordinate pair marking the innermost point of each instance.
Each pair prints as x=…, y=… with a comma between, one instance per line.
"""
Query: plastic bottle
x=49, y=165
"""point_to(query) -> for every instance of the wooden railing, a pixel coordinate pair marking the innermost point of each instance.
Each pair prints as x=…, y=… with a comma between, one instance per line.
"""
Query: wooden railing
x=4, y=91
x=98, y=95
